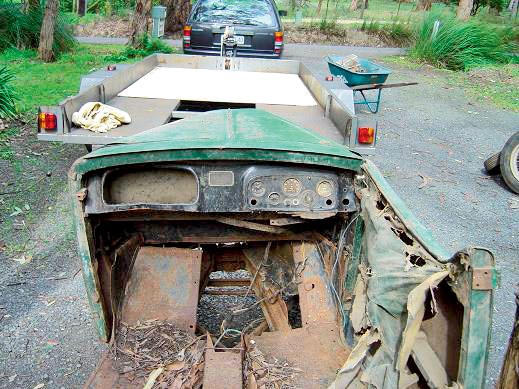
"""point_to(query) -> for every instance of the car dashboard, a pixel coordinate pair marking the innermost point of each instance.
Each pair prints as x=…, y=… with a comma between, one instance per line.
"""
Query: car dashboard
x=222, y=187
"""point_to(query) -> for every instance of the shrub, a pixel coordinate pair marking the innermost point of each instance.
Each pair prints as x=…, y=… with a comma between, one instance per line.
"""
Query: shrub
x=461, y=45
x=22, y=30
x=7, y=95
x=393, y=33
x=147, y=46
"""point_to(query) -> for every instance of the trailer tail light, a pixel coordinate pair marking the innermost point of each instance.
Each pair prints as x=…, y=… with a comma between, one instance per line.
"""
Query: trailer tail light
x=47, y=121
x=366, y=135
x=187, y=36
x=278, y=42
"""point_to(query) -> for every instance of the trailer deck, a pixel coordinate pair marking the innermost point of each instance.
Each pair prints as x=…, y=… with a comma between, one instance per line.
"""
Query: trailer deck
x=165, y=88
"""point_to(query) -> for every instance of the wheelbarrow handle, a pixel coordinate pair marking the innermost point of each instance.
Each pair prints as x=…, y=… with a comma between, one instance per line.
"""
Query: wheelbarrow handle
x=382, y=86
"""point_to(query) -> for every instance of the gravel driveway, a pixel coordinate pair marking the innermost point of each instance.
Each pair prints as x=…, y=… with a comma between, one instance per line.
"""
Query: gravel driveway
x=433, y=130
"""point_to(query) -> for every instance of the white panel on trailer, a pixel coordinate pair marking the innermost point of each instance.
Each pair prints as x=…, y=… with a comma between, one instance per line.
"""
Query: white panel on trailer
x=221, y=86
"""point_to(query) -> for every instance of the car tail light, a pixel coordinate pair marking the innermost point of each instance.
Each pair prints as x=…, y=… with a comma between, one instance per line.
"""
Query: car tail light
x=366, y=135
x=187, y=36
x=278, y=42
x=47, y=121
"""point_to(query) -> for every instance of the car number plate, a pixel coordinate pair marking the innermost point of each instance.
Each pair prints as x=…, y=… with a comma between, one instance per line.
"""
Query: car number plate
x=240, y=39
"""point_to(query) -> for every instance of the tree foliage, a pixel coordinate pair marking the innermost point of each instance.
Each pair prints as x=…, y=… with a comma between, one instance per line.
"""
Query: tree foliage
x=22, y=30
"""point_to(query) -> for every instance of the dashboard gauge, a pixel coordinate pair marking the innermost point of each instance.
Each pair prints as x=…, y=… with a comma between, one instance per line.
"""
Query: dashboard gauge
x=258, y=188
x=274, y=198
x=292, y=186
x=325, y=188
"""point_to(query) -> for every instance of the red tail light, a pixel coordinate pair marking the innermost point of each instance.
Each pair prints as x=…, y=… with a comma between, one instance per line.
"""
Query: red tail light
x=366, y=135
x=47, y=121
x=187, y=36
x=278, y=37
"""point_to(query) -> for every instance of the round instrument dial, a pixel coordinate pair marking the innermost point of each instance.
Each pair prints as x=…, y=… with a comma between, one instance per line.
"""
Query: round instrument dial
x=324, y=189
x=274, y=198
x=292, y=186
x=257, y=188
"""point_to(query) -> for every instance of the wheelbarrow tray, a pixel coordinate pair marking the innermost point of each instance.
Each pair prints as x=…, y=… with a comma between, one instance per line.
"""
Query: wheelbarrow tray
x=374, y=74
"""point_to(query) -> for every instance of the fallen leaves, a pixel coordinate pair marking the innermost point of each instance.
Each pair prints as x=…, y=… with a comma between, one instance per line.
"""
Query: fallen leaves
x=153, y=377
x=513, y=203
x=426, y=181
x=23, y=260
x=268, y=374
x=175, y=358
x=39, y=386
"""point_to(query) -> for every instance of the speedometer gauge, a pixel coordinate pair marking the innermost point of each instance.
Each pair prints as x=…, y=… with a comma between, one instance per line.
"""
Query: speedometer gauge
x=292, y=186
x=324, y=189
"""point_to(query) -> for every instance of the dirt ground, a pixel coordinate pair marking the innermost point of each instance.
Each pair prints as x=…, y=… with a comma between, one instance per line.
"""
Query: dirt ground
x=433, y=132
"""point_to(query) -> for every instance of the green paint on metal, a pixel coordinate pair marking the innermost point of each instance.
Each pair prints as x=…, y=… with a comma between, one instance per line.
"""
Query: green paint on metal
x=85, y=165
x=417, y=229
x=229, y=129
x=477, y=325
x=92, y=288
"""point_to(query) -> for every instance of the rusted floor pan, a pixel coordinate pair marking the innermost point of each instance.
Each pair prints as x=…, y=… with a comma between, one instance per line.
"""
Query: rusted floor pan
x=163, y=285
x=316, y=350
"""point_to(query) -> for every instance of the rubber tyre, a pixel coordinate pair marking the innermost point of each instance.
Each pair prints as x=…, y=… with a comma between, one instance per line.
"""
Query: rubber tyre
x=510, y=162
x=492, y=165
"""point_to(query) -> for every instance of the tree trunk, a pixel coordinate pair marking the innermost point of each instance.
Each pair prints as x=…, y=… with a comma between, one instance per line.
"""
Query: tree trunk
x=139, y=25
x=424, y=5
x=354, y=5
x=82, y=7
x=176, y=14
x=464, y=9
x=45, y=52
x=319, y=5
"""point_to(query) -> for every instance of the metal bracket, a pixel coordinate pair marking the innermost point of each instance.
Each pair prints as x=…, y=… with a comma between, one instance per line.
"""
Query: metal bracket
x=482, y=278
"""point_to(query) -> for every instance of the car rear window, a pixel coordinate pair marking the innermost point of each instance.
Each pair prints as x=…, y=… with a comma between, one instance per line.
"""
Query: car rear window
x=249, y=12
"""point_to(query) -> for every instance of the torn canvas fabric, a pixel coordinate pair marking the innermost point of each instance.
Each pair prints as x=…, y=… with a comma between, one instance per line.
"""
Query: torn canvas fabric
x=99, y=117
x=392, y=296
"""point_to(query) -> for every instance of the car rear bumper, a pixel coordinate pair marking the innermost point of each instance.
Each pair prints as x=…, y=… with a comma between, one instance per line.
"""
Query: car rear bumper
x=240, y=53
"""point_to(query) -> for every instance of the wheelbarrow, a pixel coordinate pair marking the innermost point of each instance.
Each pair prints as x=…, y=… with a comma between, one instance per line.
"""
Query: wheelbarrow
x=372, y=77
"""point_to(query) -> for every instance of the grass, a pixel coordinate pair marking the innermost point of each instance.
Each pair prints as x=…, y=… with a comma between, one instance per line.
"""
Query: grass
x=7, y=95
x=38, y=83
x=495, y=84
x=461, y=45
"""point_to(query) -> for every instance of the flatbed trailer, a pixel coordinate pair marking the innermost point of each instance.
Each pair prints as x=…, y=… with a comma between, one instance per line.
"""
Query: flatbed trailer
x=332, y=115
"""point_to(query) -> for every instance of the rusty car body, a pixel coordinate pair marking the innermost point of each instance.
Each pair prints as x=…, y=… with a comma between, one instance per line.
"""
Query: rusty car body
x=317, y=228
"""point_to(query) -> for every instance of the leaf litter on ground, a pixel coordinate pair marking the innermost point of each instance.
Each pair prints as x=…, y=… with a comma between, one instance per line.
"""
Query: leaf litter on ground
x=160, y=354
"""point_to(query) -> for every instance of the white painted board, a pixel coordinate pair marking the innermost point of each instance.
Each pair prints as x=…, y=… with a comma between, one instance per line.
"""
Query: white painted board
x=221, y=86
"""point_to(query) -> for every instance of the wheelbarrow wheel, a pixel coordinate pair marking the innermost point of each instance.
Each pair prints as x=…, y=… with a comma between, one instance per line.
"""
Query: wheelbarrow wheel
x=492, y=164
x=509, y=162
